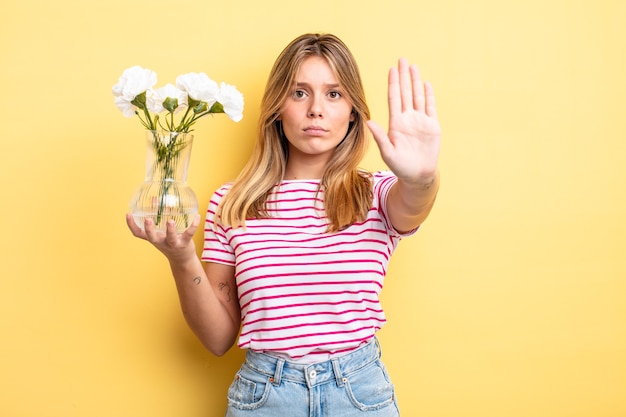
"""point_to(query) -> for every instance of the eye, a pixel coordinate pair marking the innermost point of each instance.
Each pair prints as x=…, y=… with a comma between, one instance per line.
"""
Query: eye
x=334, y=94
x=299, y=94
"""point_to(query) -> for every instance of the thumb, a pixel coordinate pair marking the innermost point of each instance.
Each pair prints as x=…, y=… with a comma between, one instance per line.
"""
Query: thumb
x=380, y=136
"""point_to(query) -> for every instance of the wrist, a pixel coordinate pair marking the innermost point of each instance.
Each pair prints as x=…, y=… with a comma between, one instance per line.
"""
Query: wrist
x=424, y=182
x=184, y=261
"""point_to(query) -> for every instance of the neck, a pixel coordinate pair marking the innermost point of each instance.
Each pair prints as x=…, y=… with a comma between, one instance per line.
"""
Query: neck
x=309, y=169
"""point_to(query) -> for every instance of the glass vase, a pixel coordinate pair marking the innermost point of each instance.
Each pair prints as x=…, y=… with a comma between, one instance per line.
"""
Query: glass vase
x=164, y=194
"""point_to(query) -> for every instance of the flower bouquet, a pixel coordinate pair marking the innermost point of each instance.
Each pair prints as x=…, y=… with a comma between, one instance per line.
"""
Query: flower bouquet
x=164, y=195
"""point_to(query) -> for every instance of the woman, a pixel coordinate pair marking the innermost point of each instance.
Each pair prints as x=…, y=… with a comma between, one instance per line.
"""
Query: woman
x=297, y=247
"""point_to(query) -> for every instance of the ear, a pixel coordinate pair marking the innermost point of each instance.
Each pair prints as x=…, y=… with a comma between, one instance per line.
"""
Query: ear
x=352, y=115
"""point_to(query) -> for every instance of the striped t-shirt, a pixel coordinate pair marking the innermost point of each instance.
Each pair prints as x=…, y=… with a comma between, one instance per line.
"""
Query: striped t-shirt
x=305, y=293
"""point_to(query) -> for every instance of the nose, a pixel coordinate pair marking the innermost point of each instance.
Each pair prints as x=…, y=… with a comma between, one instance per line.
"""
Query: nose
x=315, y=110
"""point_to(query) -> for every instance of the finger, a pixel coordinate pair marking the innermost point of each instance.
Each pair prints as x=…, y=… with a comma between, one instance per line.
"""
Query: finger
x=430, y=107
x=418, y=89
x=406, y=90
x=191, y=230
x=134, y=228
x=149, y=230
x=380, y=136
x=171, y=235
x=393, y=94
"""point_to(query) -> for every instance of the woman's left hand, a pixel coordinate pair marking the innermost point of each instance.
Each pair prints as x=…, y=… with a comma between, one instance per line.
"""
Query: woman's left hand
x=411, y=146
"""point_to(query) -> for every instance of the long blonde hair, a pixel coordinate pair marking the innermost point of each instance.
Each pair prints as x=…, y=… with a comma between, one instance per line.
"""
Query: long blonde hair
x=347, y=189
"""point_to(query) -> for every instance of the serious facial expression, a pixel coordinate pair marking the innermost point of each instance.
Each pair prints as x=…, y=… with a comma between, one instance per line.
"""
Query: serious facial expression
x=317, y=113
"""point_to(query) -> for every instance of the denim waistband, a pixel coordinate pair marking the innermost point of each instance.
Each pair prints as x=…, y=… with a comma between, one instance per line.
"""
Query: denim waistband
x=337, y=369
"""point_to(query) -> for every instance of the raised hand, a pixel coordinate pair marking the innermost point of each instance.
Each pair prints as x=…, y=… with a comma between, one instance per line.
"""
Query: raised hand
x=411, y=146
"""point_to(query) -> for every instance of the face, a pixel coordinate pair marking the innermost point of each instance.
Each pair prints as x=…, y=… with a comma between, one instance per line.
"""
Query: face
x=316, y=114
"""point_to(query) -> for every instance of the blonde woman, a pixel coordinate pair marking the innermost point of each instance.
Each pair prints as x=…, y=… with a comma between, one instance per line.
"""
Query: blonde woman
x=296, y=248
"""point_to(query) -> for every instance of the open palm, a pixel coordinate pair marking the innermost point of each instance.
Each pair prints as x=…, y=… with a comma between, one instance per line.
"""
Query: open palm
x=410, y=148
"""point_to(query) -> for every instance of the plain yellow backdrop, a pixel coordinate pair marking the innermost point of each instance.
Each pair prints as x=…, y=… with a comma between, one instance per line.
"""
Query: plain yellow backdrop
x=510, y=301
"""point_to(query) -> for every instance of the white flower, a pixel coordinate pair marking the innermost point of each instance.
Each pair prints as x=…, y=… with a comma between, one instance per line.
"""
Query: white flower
x=232, y=101
x=125, y=107
x=199, y=87
x=156, y=101
x=134, y=94
x=133, y=82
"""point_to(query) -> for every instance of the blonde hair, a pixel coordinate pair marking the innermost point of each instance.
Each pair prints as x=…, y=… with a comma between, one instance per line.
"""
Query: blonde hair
x=347, y=189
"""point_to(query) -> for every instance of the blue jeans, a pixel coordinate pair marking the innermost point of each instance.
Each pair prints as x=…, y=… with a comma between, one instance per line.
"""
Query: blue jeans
x=356, y=384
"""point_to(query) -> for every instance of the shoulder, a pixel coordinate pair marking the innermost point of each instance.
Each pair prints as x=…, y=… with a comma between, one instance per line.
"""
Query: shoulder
x=383, y=179
x=383, y=175
x=221, y=191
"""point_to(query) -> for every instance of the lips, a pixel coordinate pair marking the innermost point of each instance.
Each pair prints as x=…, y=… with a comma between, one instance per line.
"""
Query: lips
x=315, y=130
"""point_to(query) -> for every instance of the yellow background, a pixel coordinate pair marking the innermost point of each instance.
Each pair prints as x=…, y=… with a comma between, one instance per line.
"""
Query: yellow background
x=511, y=300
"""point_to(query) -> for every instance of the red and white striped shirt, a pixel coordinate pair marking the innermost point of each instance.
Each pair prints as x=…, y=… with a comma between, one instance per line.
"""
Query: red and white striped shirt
x=305, y=293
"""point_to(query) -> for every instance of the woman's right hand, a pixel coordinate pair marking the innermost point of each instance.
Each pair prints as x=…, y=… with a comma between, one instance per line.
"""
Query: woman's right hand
x=207, y=293
x=177, y=247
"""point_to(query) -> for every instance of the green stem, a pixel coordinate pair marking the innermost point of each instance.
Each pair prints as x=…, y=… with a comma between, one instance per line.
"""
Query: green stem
x=169, y=160
x=182, y=123
x=148, y=118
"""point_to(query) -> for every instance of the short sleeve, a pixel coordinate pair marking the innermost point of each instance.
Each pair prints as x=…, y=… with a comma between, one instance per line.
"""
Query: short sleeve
x=383, y=181
x=216, y=243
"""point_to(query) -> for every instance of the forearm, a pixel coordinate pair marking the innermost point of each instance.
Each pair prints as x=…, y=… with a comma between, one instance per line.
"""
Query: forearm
x=207, y=304
x=409, y=204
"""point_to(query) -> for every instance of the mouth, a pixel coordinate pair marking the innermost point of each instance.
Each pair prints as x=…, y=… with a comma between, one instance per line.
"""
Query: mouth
x=315, y=130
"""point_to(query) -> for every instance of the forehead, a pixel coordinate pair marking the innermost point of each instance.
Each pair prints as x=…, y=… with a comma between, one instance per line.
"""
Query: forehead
x=316, y=68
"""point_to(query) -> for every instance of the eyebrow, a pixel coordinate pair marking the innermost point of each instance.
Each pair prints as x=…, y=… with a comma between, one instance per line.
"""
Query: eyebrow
x=301, y=84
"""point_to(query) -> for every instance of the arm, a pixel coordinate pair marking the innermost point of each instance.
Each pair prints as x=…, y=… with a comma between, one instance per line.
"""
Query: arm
x=411, y=147
x=208, y=295
x=408, y=205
